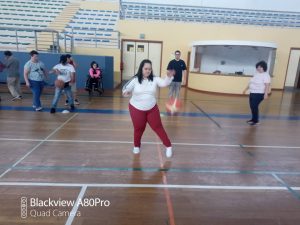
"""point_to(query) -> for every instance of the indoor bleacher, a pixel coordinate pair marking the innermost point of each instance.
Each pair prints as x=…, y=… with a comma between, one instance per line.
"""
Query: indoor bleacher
x=132, y=10
x=94, y=27
x=20, y=16
x=30, y=14
x=98, y=28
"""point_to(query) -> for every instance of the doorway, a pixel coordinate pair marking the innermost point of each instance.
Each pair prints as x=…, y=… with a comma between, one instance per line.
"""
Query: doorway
x=292, y=79
x=134, y=51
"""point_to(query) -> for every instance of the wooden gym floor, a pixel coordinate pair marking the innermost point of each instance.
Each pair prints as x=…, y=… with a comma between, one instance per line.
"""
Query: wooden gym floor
x=223, y=171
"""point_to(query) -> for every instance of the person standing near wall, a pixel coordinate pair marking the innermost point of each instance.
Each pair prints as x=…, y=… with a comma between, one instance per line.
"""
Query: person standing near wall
x=259, y=87
x=73, y=85
x=12, y=66
x=179, y=66
x=34, y=76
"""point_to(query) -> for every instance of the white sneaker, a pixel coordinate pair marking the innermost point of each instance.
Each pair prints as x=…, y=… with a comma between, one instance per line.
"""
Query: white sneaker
x=38, y=109
x=65, y=111
x=136, y=150
x=16, y=98
x=169, y=152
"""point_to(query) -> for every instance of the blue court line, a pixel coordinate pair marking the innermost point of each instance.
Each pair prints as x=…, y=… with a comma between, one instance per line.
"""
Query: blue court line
x=251, y=154
x=293, y=192
x=184, y=114
x=206, y=114
x=149, y=169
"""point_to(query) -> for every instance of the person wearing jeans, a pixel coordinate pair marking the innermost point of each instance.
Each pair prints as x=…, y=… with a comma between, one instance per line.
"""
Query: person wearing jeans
x=254, y=100
x=58, y=91
x=259, y=87
x=37, y=89
x=65, y=72
x=34, y=75
x=142, y=105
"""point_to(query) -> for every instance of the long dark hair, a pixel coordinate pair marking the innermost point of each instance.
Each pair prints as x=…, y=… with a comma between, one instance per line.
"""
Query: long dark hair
x=139, y=74
x=63, y=59
x=92, y=63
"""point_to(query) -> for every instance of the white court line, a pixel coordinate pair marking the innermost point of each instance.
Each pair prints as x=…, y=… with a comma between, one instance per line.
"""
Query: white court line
x=35, y=147
x=152, y=143
x=173, y=186
x=271, y=146
x=75, y=207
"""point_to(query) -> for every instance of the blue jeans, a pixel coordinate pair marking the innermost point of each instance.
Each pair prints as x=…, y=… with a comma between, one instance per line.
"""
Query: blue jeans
x=254, y=100
x=36, y=88
x=57, y=95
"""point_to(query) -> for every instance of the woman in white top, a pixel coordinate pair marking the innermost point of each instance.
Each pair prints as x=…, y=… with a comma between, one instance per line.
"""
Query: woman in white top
x=259, y=87
x=142, y=104
x=64, y=72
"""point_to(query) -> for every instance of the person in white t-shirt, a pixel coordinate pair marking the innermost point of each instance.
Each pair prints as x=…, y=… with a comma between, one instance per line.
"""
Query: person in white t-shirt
x=73, y=85
x=65, y=72
x=259, y=87
x=142, y=105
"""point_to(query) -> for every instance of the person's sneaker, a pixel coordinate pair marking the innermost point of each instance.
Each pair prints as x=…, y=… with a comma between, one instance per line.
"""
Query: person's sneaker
x=136, y=150
x=72, y=107
x=16, y=98
x=249, y=121
x=76, y=102
x=65, y=111
x=67, y=102
x=253, y=123
x=169, y=152
x=38, y=108
x=52, y=110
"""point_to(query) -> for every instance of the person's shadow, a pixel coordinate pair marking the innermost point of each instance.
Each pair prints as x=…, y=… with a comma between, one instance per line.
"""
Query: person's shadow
x=148, y=175
x=143, y=204
x=247, y=143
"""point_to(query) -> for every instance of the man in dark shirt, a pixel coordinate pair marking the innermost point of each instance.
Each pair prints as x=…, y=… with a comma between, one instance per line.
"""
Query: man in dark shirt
x=180, y=75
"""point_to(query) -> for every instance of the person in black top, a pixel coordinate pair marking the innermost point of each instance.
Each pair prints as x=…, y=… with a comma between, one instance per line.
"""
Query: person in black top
x=179, y=66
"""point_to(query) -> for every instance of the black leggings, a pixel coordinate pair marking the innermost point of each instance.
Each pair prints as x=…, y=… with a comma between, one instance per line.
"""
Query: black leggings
x=254, y=100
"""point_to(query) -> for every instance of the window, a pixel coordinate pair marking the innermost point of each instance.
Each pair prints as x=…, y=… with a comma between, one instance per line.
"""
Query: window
x=130, y=47
x=140, y=48
x=230, y=59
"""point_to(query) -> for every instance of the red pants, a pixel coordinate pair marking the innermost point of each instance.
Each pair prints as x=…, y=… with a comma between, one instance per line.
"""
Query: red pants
x=140, y=118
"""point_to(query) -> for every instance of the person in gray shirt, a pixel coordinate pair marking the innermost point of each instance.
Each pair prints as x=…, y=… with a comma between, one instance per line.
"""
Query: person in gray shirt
x=34, y=75
x=12, y=66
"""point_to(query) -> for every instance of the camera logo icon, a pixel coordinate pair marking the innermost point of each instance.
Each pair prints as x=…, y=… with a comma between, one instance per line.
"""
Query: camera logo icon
x=23, y=207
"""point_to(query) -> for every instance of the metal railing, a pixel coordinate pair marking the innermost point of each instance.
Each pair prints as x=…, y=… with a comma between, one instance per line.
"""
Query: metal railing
x=94, y=41
x=44, y=40
x=48, y=40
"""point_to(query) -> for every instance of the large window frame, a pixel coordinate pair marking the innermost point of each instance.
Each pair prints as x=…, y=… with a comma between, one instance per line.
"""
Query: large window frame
x=231, y=58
